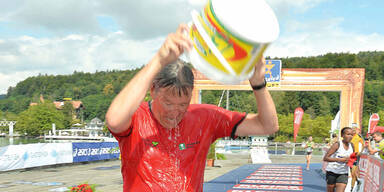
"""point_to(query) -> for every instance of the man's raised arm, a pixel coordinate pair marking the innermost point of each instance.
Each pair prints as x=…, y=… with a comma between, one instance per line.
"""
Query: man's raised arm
x=265, y=121
x=123, y=106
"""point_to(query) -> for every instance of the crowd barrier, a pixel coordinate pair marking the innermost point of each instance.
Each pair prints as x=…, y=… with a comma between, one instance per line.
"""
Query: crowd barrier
x=371, y=173
x=14, y=157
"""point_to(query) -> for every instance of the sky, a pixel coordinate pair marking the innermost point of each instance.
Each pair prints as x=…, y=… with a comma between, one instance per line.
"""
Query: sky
x=59, y=37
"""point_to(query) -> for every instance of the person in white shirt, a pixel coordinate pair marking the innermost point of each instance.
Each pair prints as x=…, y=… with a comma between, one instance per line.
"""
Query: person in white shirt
x=338, y=156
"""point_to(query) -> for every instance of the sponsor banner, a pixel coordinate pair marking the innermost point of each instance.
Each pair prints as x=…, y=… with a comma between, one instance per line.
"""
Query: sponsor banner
x=277, y=175
x=272, y=187
x=297, y=117
x=373, y=121
x=95, y=151
x=276, y=178
x=33, y=155
x=273, y=73
x=363, y=165
x=272, y=182
x=372, y=177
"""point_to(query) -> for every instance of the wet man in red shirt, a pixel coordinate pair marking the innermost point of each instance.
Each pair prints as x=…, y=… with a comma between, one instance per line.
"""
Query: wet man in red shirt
x=164, y=142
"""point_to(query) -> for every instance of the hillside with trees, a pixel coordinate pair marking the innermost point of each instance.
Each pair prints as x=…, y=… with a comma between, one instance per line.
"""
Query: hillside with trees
x=96, y=91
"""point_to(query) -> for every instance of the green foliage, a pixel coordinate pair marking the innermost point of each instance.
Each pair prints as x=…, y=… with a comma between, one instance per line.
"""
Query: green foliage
x=281, y=138
x=38, y=119
x=68, y=113
x=78, y=86
x=318, y=128
x=212, y=151
x=220, y=156
x=96, y=106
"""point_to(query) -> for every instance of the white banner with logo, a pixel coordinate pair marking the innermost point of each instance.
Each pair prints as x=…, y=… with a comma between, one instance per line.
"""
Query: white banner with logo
x=34, y=155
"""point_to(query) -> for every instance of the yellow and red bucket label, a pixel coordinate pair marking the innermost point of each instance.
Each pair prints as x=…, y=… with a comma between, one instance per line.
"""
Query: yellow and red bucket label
x=227, y=54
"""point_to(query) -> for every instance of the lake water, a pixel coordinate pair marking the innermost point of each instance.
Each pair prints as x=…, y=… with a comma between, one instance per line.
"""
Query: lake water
x=4, y=141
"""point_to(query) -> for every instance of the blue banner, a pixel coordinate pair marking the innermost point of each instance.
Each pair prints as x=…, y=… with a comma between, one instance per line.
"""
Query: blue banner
x=273, y=72
x=95, y=151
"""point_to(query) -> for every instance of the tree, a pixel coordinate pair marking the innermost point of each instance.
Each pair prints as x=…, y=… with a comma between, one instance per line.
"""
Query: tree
x=97, y=106
x=108, y=89
x=68, y=113
x=38, y=119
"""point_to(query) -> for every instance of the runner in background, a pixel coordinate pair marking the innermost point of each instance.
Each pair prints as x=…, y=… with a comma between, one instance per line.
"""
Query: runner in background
x=309, y=145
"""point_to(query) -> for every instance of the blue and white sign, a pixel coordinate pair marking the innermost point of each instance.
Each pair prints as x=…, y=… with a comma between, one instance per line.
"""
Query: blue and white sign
x=34, y=155
x=273, y=72
x=95, y=151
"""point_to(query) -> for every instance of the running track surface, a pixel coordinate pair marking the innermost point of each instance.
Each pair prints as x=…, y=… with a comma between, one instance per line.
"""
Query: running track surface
x=268, y=178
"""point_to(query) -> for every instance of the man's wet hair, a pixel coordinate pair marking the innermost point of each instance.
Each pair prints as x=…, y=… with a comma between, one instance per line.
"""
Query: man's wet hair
x=177, y=77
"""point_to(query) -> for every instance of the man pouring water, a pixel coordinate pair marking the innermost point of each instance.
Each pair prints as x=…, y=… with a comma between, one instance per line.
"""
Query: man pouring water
x=164, y=142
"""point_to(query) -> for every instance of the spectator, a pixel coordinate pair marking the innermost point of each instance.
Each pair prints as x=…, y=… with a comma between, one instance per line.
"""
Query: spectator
x=378, y=150
x=358, y=144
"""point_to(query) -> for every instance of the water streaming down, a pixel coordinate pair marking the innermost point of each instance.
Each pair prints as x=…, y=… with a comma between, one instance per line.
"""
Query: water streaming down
x=174, y=159
x=171, y=177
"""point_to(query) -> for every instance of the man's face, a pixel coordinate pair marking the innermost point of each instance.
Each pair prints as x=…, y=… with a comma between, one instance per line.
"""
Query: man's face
x=168, y=107
x=377, y=138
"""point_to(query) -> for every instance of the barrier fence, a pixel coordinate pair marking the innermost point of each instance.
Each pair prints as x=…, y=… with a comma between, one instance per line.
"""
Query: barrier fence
x=274, y=148
x=371, y=173
x=14, y=157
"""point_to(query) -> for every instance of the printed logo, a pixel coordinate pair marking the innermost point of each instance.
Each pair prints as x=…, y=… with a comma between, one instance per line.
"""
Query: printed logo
x=182, y=146
x=268, y=66
x=155, y=143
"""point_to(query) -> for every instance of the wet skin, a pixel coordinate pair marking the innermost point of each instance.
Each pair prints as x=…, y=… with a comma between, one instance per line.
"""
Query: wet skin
x=169, y=107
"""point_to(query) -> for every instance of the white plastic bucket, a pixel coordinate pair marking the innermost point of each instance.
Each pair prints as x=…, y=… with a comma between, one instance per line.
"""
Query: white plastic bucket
x=230, y=37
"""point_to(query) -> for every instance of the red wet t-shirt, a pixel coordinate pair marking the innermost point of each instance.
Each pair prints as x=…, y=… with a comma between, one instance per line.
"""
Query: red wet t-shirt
x=158, y=159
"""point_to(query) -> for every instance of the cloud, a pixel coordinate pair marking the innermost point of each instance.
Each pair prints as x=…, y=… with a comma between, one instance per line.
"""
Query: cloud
x=144, y=19
x=320, y=37
x=147, y=19
x=8, y=80
x=283, y=7
x=27, y=55
x=77, y=36
x=57, y=16
x=76, y=52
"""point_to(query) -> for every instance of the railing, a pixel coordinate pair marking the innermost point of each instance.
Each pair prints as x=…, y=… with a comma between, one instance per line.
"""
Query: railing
x=274, y=148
